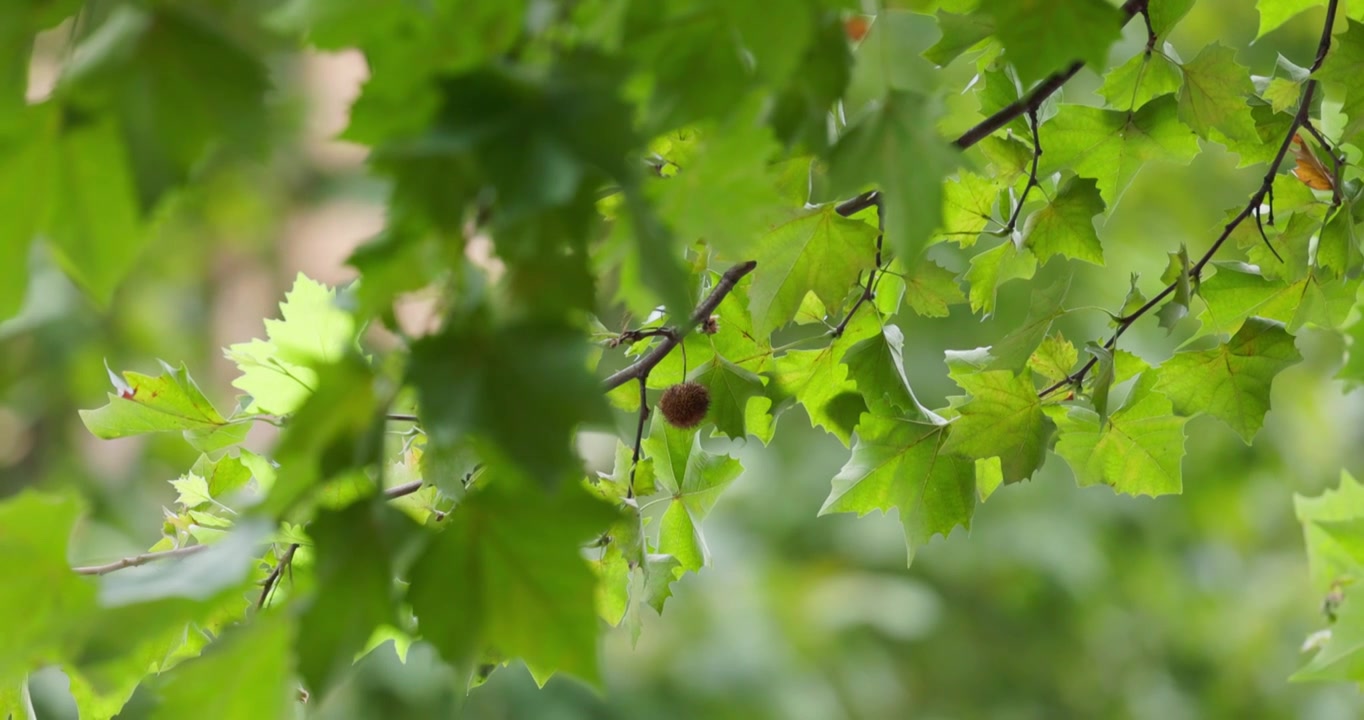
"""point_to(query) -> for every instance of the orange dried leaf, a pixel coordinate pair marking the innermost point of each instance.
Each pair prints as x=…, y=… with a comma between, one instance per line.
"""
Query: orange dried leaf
x=856, y=27
x=1309, y=169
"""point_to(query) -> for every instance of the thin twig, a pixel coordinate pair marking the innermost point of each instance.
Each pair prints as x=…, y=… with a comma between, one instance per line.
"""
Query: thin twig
x=398, y=491
x=136, y=560
x=402, y=417
x=702, y=313
x=272, y=579
x=869, y=289
x=1032, y=175
x=1266, y=189
x=639, y=431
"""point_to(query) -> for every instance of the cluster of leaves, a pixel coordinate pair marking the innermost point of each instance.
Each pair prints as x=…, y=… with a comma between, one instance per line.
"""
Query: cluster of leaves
x=620, y=156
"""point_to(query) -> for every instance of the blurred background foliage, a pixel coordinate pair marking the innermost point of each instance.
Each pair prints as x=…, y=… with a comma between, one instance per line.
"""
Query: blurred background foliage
x=1061, y=602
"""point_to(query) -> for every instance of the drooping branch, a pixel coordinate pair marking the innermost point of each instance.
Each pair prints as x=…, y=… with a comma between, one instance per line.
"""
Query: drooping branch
x=136, y=560
x=1301, y=119
x=703, y=311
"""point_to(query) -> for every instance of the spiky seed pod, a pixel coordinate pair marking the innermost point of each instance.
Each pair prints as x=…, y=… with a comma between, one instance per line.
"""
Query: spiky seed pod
x=684, y=405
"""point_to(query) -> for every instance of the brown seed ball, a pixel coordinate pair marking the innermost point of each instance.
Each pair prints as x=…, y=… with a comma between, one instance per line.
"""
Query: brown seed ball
x=684, y=405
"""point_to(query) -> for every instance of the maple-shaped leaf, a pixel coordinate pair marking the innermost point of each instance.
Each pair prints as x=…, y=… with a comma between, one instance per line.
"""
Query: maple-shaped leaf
x=1330, y=555
x=876, y=366
x=929, y=289
x=1054, y=358
x=1043, y=37
x=815, y=251
x=900, y=463
x=1013, y=350
x=146, y=404
x=896, y=146
x=1342, y=79
x=510, y=562
x=1239, y=291
x=732, y=391
x=993, y=268
x=1112, y=146
x=819, y=380
x=1136, y=450
x=1143, y=78
x=1214, y=95
x=694, y=479
x=968, y=207
x=1231, y=382
x=1003, y=418
x=279, y=373
x=1065, y=226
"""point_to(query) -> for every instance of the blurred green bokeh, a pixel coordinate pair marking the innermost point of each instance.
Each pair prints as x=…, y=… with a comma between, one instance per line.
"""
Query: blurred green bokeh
x=1061, y=602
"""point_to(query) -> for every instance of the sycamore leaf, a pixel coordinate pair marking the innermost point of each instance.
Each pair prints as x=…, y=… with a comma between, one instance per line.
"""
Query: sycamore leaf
x=993, y=268
x=1112, y=146
x=1328, y=556
x=510, y=562
x=1177, y=274
x=1214, y=95
x=959, y=34
x=1054, y=358
x=146, y=404
x=1042, y=37
x=901, y=463
x=816, y=251
x=1066, y=225
x=819, y=380
x=1231, y=382
x=1136, y=451
x=1341, y=659
x=876, y=366
x=896, y=146
x=1239, y=291
x=1003, y=418
x=1343, y=80
x=694, y=478
x=1143, y=78
x=929, y=289
x=732, y=390
x=279, y=373
x=1274, y=13
x=968, y=207
x=1013, y=350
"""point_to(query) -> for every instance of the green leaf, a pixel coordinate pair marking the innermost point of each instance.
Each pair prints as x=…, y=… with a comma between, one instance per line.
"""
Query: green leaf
x=1176, y=274
x=1274, y=13
x=1044, y=37
x=694, y=479
x=1164, y=14
x=1012, y=352
x=1342, y=658
x=192, y=491
x=1143, y=78
x=959, y=34
x=1054, y=358
x=968, y=207
x=1137, y=451
x=472, y=379
x=902, y=463
x=28, y=167
x=819, y=380
x=95, y=227
x=1066, y=225
x=930, y=289
x=1112, y=146
x=817, y=251
x=355, y=593
x=34, y=533
x=1231, y=382
x=1342, y=79
x=1328, y=556
x=1282, y=94
x=1238, y=291
x=506, y=574
x=732, y=390
x=149, y=404
x=1214, y=95
x=993, y=268
x=279, y=374
x=244, y=674
x=897, y=147
x=876, y=366
x=1003, y=418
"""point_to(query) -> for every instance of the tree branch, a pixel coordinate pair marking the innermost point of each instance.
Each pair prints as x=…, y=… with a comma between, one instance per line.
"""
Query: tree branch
x=272, y=579
x=136, y=560
x=868, y=290
x=702, y=312
x=1266, y=190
